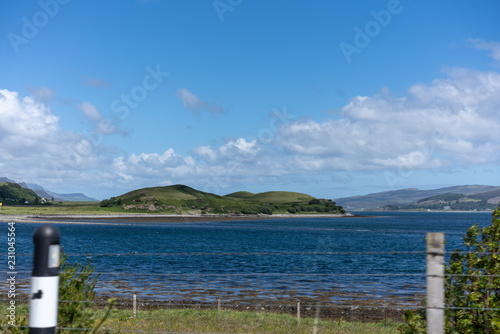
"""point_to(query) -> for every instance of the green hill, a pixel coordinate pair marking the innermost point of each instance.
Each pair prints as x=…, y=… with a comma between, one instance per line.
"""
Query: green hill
x=272, y=196
x=14, y=194
x=240, y=195
x=181, y=199
x=441, y=198
x=177, y=192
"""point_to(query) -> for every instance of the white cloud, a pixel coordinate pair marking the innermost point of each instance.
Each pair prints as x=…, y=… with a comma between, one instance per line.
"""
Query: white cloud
x=193, y=103
x=453, y=121
x=206, y=153
x=239, y=149
x=102, y=125
x=210, y=169
x=90, y=111
x=236, y=152
x=42, y=94
x=34, y=148
x=152, y=165
x=480, y=44
x=450, y=123
x=95, y=82
x=25, y=118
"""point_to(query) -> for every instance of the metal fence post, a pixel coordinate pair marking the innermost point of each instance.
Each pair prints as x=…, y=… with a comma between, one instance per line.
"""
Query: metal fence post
x=435, y=283
x=44, y=289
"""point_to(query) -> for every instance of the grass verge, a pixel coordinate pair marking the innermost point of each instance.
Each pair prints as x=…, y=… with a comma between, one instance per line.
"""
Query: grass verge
x=66, y=208
x=209, y=321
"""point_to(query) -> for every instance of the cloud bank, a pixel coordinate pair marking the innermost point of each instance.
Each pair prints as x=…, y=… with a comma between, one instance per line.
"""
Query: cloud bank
x=449, y=123
x=34, y=146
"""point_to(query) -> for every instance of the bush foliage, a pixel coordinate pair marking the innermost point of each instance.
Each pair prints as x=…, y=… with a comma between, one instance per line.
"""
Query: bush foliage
x=472, y=285
x=76, y=311
x=107, y=203
x=76, y=293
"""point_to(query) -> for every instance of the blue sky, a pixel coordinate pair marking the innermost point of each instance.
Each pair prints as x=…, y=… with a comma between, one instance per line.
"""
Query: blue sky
x=330, y=98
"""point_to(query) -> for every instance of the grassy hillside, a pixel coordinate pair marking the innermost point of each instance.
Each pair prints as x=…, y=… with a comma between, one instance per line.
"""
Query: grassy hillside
x=271, y=196
x=181, y=199
x=492, y=197
x=240, y=195
x=448, y=197
x=170, y=193
x=14, y=194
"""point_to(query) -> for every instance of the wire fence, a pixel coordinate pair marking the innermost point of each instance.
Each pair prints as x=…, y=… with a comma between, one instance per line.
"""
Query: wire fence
x=372, y=308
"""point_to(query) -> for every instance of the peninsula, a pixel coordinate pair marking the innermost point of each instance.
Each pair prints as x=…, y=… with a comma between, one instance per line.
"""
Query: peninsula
x=178, y=202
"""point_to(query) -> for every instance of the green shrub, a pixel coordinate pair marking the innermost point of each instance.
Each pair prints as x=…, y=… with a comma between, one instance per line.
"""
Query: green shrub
x=472, y=285
x=76, y=294
x=250, y=210
x=477, y=289
x=108, y=203
x=75, y=309
x=266, y=209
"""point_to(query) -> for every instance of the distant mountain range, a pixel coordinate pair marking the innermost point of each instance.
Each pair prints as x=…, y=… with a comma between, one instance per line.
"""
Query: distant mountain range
x=40, y=191
x=467, y=197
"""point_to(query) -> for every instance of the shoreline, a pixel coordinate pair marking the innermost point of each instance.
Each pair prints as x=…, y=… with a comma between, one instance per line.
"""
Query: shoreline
x=353, y=310
x=426, y=211
x=145, y=218
x=334, y=304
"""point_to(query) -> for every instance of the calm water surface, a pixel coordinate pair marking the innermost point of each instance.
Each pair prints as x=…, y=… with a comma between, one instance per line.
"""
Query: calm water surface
x=260, y=259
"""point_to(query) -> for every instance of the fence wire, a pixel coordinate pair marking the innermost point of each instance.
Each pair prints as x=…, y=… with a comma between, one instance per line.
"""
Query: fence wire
x=233, y=253
x=312, y=306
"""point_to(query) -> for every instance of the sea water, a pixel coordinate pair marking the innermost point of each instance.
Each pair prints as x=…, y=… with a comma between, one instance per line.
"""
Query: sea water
x=334, y=259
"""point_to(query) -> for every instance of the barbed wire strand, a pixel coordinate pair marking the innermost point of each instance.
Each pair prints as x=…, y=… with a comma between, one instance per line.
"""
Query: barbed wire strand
x=233, y=253
x=230, y=305
x=251, y=305
x=423, y=274
x=234, y=274
x=113, y=330
x=316, y=307
x=262, y=253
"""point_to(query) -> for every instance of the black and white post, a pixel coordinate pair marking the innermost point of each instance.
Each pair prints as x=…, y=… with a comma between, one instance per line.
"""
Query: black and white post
x=45, y=281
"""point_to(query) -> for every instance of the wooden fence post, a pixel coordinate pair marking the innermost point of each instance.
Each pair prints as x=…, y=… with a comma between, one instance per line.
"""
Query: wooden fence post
x=218, y=309
x=135, y=305
x=435, y=283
